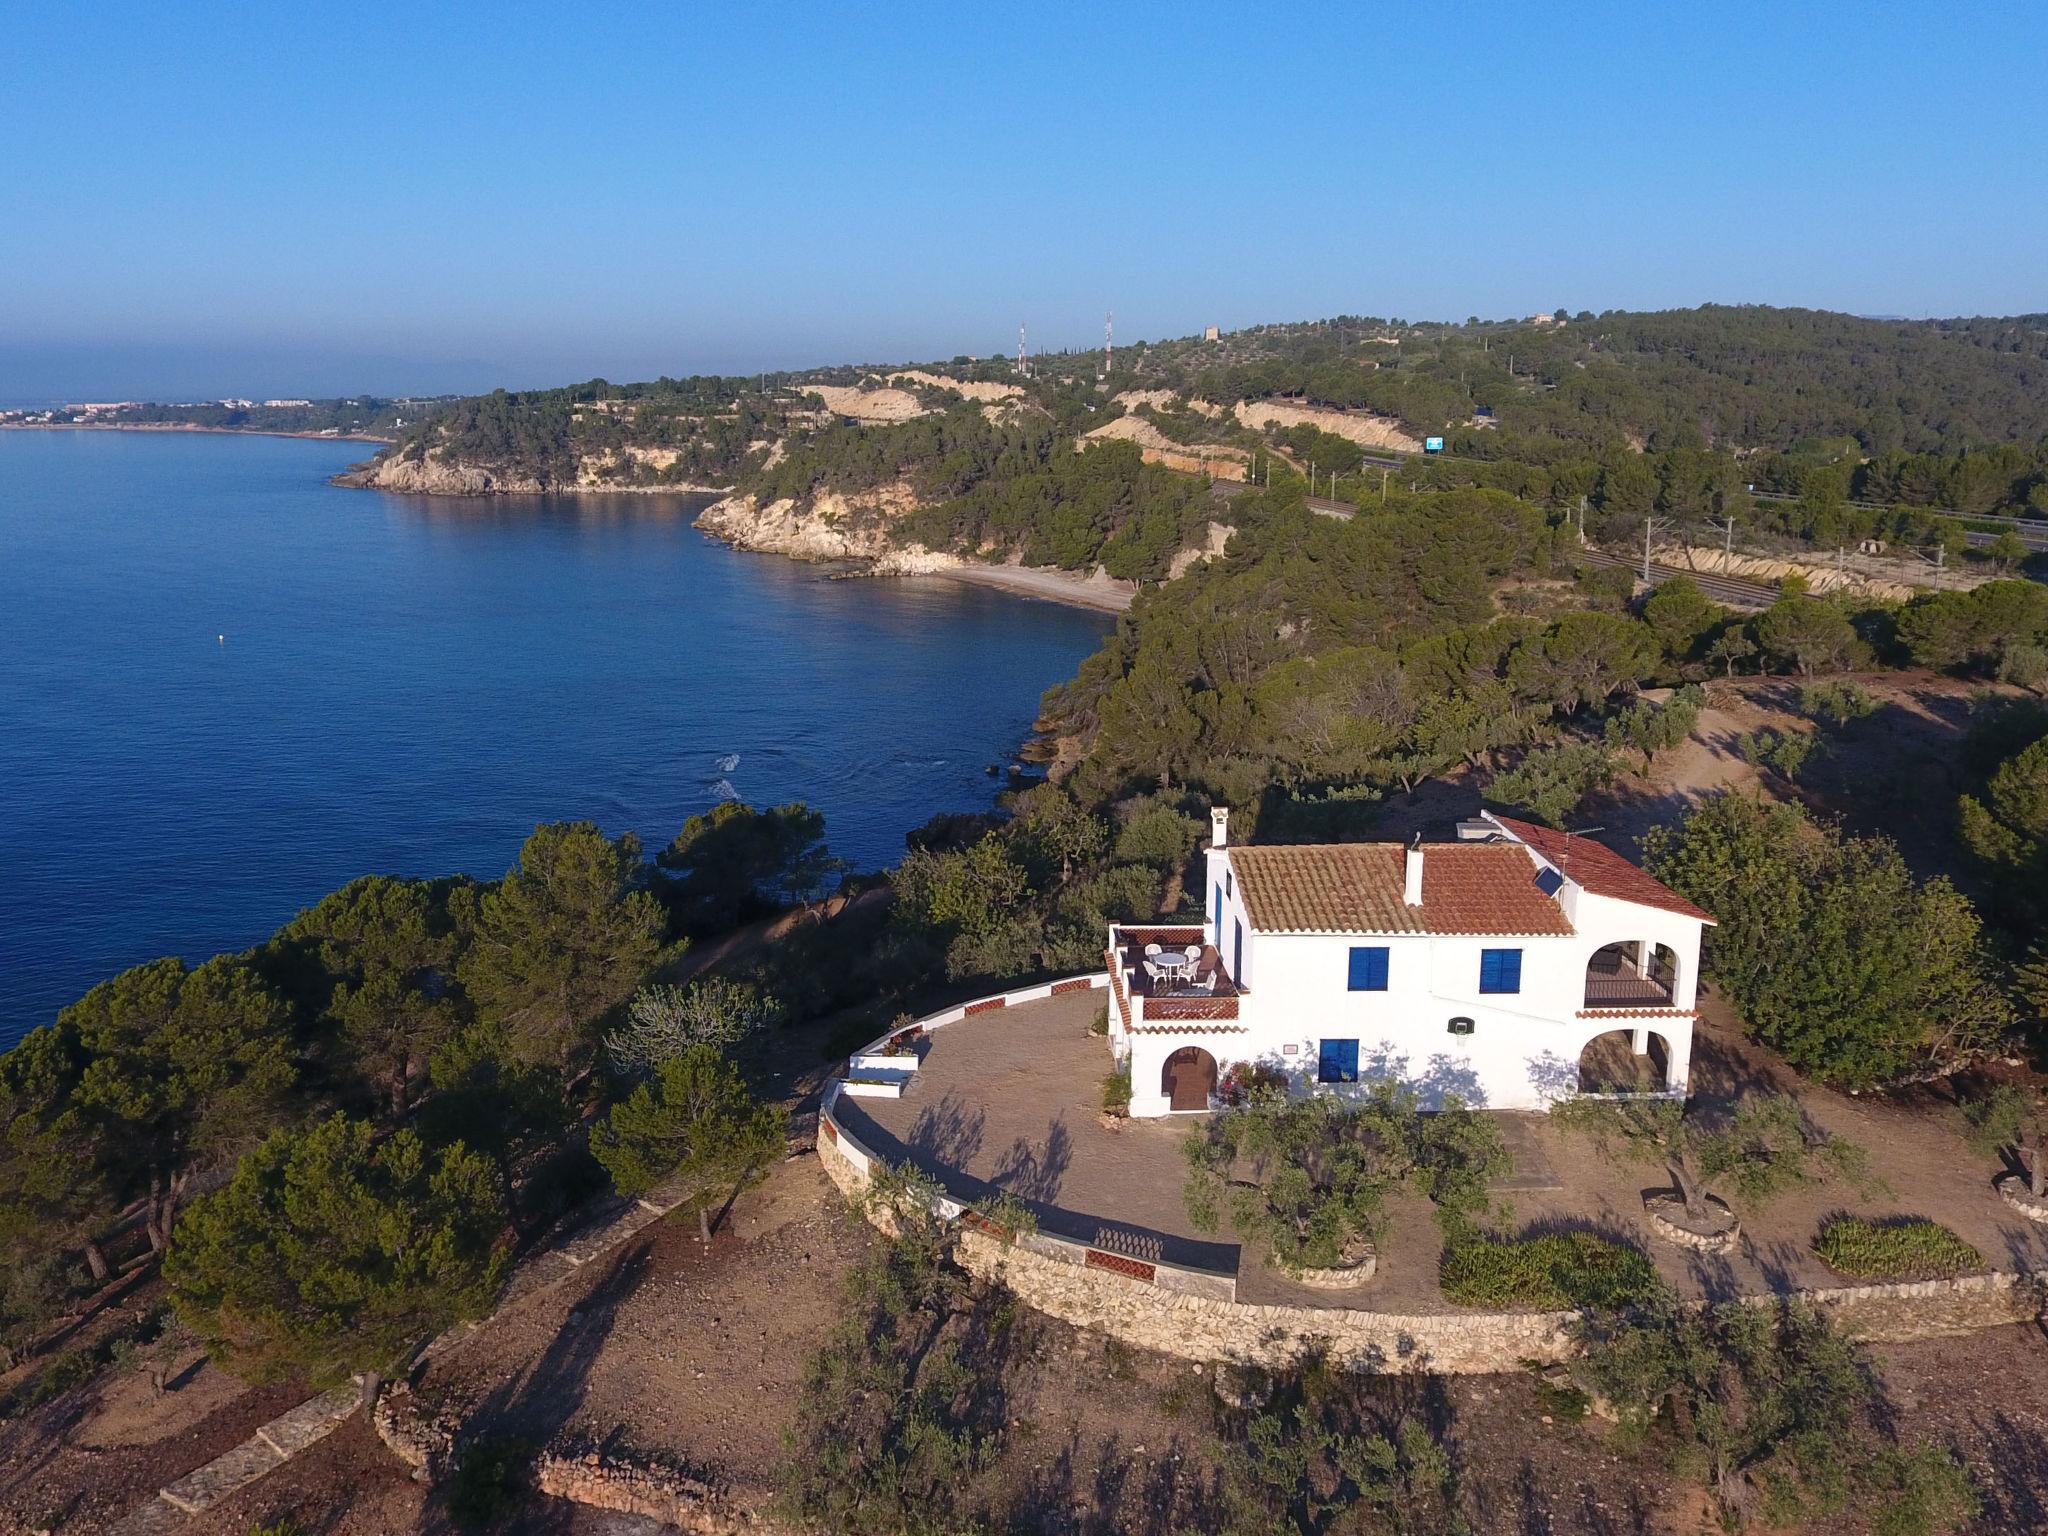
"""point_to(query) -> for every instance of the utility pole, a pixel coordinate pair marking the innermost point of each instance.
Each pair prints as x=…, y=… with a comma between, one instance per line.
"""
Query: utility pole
x=1650, y=526
x=1728, y=543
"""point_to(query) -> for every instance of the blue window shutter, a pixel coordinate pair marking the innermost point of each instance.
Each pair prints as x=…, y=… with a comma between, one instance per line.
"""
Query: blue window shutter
x=1216, y=911
x=1500, y=970
x=1369, y=968
x=1337, y=1061
x=1237, y=952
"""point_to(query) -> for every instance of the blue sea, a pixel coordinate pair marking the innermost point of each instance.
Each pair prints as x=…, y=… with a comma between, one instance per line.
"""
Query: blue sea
x=227, y=687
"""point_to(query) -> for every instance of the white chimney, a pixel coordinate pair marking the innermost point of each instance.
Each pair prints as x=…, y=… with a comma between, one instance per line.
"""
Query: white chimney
x=1411, y=884
x=1219, y=826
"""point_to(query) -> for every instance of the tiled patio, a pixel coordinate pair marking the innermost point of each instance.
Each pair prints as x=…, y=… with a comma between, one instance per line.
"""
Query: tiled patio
x=1009, y=1100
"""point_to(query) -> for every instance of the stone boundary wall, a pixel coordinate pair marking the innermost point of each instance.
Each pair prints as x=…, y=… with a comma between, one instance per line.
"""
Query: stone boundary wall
x=848, y=1164
x=1194, y=1314
x=980, y=1005
x=653, y=1493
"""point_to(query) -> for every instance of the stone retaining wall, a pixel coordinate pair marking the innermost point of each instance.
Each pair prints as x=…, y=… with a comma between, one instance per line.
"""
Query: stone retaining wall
x=1194, y=1314
x=653, y=1493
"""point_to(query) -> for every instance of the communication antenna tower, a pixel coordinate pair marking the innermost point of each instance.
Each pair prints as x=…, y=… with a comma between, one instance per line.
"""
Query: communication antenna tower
x=1023, y=357
x=1108, y=336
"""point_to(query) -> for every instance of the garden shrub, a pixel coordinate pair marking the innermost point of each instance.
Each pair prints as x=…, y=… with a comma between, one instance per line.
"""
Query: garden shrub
x=1895, y=1250
x=1116, y=1089
x=1560, y=1269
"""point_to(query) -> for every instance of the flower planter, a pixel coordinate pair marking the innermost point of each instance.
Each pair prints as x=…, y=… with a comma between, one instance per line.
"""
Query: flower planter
x=1669, y=1220
x=1355, y=1267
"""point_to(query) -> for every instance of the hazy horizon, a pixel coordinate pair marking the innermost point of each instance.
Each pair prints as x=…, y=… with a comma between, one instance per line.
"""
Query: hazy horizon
x=204, y=204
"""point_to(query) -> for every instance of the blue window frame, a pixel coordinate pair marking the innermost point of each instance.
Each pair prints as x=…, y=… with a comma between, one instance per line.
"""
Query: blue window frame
x=1216, y=910
x=1337, y=1062
x=1500, y=970
x=1369, y=968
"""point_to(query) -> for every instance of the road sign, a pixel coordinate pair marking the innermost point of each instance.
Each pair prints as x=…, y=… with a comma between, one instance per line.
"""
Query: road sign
x=1432, y=445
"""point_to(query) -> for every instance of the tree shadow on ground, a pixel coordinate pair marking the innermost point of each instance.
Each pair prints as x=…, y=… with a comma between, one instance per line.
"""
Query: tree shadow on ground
x=538, y=1404
x=1035, y=1172
x=2015, y=1493
x=1545, y=1511
x=947, y=1134
x=1120, y=1493
x=951, y=1124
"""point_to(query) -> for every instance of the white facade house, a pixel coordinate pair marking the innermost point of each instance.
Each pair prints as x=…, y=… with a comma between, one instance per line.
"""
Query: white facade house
x=1504, y=968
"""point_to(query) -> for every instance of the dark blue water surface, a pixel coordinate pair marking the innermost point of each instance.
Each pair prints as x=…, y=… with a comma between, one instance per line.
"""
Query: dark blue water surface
x=227, y=687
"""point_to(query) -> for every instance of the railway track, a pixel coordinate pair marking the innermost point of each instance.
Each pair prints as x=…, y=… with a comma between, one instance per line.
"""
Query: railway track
x=1732, y=590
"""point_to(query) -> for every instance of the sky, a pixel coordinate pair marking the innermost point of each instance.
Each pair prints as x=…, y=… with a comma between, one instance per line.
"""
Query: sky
x=213, y=199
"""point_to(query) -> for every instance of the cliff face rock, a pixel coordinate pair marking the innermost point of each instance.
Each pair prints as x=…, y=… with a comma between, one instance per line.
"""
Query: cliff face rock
x=435, y=475
x=832, y=527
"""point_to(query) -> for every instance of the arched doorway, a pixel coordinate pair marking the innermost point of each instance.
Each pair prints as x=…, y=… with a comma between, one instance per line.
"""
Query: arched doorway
x=1189, y=1078
x=1610, y=1063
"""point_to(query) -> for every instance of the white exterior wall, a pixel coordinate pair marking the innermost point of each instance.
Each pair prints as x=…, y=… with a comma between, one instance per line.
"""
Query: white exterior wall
x=1524, y=1048
x=1222, y=929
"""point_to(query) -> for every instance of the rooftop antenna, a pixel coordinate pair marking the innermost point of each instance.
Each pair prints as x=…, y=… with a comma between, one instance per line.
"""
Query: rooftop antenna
x=1569, y=833
x=1023, y=357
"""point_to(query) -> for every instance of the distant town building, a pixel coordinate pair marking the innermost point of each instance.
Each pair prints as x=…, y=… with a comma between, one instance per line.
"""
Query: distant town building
x=281, y=404
x=1212, y=334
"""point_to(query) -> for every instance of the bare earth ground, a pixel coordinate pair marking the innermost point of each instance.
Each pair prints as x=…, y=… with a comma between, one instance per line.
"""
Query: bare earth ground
x=696, y=1356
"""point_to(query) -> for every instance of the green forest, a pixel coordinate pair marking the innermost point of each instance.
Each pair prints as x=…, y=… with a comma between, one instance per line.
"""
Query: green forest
x=412, y=1081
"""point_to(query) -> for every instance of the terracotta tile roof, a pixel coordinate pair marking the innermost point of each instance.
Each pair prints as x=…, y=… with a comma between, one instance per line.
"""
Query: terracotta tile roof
x=1600, y=870
x=1477, y=888
x=1639, y=1013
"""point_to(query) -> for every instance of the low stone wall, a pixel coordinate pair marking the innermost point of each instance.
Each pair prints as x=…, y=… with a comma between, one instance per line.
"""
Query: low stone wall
x=1928, y=1309
x=652, y=1493
x=1205, y=1328
x=1194, y=1314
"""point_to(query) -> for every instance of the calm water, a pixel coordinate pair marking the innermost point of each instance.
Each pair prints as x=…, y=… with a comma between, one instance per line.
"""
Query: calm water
x=227, y=687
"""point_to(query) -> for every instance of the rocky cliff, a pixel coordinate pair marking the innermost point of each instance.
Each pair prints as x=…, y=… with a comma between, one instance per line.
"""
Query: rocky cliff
x=833, y=526
x=435, y=474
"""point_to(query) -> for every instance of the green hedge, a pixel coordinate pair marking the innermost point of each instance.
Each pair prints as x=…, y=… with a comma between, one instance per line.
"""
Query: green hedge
x=1895, y=1250
x=1565, y=1269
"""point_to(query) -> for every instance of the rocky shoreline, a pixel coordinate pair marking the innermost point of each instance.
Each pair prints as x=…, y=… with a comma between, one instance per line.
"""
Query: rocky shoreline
x=855, y=530
x=435, y=476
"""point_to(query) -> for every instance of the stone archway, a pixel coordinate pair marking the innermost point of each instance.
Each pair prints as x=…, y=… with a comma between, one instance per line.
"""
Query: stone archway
x=1610, y=1063
x=1188, y=1079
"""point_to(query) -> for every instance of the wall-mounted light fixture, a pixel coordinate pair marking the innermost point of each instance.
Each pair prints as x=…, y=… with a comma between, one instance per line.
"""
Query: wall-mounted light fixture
x=1461, y=1026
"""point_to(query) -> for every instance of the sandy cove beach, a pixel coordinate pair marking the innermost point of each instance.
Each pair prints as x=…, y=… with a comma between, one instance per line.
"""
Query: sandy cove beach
x=1054, y=586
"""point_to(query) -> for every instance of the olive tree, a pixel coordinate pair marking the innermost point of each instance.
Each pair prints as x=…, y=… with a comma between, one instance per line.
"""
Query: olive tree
x=1310, y=1179
x=1760, y=1151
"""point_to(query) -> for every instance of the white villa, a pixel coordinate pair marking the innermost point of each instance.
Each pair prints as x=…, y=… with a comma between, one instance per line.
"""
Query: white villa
x=1490, y=968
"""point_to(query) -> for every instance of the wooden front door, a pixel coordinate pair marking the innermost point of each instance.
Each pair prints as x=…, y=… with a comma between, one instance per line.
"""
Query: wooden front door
x=1190, y=1078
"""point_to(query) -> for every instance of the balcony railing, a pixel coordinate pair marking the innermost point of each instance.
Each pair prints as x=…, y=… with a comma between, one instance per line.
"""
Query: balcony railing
x=1626, y=988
